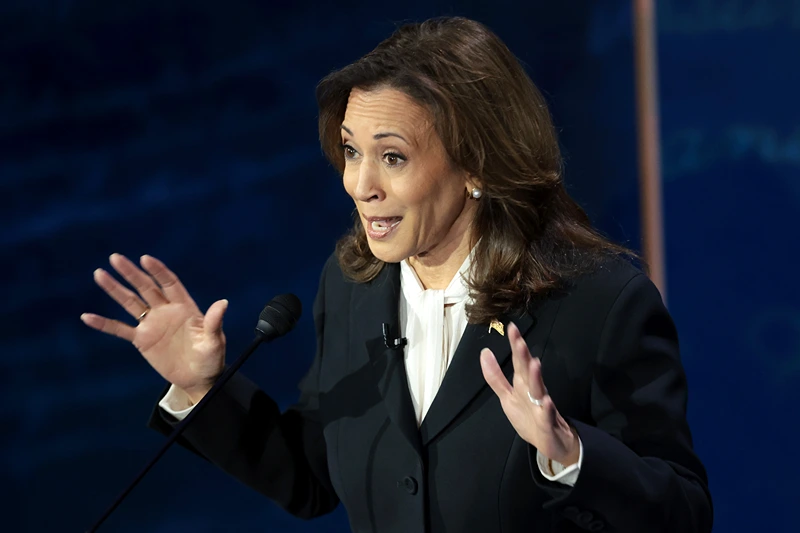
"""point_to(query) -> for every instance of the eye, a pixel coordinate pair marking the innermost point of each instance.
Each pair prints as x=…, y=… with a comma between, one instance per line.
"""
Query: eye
x=393, y=159
x=349, y=151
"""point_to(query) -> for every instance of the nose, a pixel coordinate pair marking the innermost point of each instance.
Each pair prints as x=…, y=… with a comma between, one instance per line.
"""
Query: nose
x=368, y=187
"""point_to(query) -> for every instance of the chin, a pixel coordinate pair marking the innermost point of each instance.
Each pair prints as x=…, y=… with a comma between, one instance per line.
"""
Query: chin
x=387, y=252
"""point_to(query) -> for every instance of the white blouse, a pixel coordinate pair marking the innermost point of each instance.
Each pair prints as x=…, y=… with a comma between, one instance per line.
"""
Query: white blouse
x=433, y=322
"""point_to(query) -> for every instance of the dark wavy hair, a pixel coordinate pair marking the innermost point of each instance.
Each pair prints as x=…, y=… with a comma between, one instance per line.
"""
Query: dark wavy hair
x=531, y=237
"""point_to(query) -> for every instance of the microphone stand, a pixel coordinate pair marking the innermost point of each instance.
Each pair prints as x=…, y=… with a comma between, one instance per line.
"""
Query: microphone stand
x=224, y=378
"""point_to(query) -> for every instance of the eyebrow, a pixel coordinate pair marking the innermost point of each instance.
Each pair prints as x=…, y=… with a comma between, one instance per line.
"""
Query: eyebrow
x=381, y=135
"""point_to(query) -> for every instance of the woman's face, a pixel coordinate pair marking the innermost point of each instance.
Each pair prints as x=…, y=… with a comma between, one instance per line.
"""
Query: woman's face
x=411, y=200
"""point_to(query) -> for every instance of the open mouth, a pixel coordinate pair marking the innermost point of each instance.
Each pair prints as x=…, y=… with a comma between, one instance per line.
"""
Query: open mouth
x=378, y=228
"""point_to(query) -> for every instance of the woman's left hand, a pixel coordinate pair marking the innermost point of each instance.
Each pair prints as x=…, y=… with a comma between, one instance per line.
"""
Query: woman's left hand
x=540, y=425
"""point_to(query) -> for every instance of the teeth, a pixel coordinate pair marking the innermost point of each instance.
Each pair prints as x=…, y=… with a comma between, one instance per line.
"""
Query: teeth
x=379, y=225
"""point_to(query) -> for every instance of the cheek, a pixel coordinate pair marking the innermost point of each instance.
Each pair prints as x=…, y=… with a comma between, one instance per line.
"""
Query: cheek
x=423, y=188
x=349, y=178
x=439, y=197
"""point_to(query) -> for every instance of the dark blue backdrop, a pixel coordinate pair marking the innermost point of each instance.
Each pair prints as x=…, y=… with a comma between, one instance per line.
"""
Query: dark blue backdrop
x=187, y=130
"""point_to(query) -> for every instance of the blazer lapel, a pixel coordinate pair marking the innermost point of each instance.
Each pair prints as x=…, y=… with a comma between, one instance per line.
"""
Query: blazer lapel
x=464, y=378
x=377, y=304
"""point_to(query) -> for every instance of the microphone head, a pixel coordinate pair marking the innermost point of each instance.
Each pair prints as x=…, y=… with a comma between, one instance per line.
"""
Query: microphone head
x=279, y=316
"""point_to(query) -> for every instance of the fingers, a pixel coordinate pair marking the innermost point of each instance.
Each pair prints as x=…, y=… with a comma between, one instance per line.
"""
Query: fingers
x=144, y=284
x=212, y=323
x=125, y=297
x=550, y=411
x=169, y=282
x=535, y=383
x=494, y=375
x=520, y=356
x=527, y=369
x=112, y=327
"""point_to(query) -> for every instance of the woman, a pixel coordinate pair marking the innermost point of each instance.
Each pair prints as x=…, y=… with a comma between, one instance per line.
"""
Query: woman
x=540, y=388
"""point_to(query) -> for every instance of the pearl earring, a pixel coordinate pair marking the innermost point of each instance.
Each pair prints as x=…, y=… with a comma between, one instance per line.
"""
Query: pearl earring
x=476, y=193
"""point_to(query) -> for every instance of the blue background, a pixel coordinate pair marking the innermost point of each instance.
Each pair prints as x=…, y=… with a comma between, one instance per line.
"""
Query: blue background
x=187, y=130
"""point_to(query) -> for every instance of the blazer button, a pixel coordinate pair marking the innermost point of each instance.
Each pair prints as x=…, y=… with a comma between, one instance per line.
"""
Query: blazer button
x=584, y=518
x=410, y=484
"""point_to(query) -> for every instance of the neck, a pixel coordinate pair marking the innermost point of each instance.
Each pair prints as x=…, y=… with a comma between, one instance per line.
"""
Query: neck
x=437, y=268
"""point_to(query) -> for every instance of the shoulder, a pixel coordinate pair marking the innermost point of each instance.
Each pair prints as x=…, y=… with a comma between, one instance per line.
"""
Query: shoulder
x=610, y=286
x=332, y=275
x=337, y=288
x=331, y=271
x=334, y=278
x=605, y=314
x=605, y=280
x=333, y=284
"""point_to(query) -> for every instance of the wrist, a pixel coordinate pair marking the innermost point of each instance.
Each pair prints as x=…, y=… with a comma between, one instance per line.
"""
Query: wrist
x=574, y=454
x=570, y=455
x=196, y=394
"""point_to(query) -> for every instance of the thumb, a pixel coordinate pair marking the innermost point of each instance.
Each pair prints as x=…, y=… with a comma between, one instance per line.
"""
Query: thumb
x=212, y=323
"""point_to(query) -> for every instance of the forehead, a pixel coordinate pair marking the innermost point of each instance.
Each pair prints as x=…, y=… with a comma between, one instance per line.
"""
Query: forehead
x=385, y=109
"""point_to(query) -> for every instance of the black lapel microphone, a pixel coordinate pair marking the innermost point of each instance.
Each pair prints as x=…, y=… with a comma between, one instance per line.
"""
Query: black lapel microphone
x=390, y=340
x=277, y=319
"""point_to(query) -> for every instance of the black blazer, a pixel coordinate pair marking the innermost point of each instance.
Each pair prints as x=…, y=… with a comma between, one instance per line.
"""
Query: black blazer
x=610, y=361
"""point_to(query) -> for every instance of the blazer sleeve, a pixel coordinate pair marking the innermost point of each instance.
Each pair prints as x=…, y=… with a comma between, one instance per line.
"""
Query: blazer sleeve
x=281, y=455
x=639, y=471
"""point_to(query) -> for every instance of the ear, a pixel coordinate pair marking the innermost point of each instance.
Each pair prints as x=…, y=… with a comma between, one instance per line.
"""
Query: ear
x=471, y=183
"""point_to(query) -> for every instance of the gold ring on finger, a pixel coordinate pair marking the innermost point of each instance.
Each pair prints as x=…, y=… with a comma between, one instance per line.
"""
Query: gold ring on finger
x=144, y=313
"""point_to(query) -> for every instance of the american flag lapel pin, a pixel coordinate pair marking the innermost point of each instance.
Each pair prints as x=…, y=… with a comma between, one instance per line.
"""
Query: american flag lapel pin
x=497, y=326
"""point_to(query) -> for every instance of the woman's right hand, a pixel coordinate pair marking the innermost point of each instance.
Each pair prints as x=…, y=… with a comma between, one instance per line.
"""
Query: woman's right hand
x=186, y=347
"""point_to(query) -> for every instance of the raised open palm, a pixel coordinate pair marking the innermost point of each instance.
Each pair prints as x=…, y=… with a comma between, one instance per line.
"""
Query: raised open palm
x=185, y=346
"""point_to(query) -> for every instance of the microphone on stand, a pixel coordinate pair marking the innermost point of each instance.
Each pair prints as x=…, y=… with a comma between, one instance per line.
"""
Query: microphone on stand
x=278, y=318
